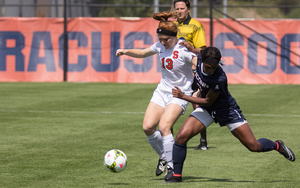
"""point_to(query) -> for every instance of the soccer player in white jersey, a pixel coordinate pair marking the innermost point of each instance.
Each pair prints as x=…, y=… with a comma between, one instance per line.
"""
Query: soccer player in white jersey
x=164, y=109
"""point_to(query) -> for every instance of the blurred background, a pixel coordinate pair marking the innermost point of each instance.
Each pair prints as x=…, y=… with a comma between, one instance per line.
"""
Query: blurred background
x=254, y=9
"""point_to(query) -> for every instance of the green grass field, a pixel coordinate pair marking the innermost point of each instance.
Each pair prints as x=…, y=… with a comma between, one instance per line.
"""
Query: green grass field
x=56, y=135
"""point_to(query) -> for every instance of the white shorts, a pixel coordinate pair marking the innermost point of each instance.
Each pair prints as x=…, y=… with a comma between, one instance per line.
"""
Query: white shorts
x=203, y=116
x=164, y=98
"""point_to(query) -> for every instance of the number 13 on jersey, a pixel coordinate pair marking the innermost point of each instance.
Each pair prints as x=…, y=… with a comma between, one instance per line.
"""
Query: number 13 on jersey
x=168, y=63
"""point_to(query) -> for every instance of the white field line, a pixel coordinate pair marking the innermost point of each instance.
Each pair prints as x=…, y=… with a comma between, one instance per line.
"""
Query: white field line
x=110, y=112
x=73, y=112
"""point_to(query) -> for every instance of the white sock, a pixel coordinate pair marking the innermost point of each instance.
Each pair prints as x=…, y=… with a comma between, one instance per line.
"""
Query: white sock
x=155, y=140
x=168, y=142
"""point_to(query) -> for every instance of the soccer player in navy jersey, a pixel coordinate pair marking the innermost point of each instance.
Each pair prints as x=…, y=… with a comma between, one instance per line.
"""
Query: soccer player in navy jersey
x=216, y=105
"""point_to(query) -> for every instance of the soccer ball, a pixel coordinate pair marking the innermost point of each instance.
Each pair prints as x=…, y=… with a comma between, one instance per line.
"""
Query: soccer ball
x=115, y=160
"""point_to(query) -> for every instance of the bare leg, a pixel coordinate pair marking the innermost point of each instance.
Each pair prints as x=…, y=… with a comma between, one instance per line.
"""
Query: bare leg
x=152, y=117
x=151, y=120
x=247, y=138
x=189, y=129
x=169, y=117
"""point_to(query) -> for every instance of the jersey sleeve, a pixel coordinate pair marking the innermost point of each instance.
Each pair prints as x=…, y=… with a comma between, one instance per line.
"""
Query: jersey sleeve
x=155, y=48
x=199, y=37
x=187, y=55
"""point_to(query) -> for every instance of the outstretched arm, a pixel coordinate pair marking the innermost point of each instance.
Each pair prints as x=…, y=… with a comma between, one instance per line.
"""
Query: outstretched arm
x=206, y=102
x=138, y=53
x=191, y=48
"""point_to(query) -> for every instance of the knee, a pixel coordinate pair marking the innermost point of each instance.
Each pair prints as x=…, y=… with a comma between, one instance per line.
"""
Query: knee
x=165, y=130
x=181, y=138
x=253, y=146
x=148, y=129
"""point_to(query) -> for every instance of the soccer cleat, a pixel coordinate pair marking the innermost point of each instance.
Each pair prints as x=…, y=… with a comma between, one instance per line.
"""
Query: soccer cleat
x=174, y=180
x=285, y=151
x=161, y=166
x=202, y=146
x=169, y=174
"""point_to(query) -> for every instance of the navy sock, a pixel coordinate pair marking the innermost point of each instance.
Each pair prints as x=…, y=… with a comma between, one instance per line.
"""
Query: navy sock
x=179, y=154
x=267, y=145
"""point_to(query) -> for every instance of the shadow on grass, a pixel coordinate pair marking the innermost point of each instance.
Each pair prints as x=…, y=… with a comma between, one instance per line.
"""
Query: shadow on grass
x=192, y=179
x=200, y=150
x=118, y=184
x=207, y=179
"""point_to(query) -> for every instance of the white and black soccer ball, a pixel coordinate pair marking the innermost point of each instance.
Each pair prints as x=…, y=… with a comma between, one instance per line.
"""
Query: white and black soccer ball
x=115, y=160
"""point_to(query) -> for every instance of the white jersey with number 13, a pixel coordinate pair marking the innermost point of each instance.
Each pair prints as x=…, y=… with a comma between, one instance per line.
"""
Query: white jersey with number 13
x=176, y=67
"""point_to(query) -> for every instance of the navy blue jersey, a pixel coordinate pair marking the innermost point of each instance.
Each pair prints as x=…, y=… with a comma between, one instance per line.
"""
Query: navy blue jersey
x=225, y=109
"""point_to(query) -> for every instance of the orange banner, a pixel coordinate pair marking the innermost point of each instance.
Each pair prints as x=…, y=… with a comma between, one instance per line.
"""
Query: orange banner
x=32, y=50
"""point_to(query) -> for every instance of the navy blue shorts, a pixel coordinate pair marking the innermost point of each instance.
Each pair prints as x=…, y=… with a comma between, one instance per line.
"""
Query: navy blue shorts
x=227, y=116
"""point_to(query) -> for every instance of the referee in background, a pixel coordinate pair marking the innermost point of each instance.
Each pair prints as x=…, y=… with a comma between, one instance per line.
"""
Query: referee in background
x=194, y=34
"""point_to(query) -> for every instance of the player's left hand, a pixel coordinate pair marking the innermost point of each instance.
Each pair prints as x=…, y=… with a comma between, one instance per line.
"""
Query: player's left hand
x=177, y=92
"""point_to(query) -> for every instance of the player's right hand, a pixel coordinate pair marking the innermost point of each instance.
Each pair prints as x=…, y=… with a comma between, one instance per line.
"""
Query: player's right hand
x=120, y=52
x=177, y=92
x=187, y=45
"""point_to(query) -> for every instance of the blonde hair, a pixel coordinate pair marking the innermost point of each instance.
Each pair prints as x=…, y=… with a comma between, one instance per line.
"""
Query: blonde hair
x=164, y=22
